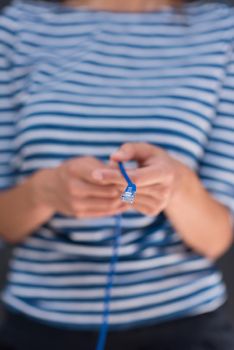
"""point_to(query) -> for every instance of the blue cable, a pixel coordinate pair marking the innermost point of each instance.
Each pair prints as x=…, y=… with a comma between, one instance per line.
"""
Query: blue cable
x=127, y=196
x=107, y=298
x=130, y=190
x=124, y=173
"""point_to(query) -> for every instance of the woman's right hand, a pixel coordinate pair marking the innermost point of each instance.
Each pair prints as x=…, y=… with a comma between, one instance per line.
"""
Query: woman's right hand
x=70, y=189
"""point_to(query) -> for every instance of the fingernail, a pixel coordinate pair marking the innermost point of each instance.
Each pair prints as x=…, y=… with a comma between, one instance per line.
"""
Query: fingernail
x=97, y=175
x=120, y=154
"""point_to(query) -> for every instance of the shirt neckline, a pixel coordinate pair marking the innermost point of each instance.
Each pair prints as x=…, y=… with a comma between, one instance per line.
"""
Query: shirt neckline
x=59, y=8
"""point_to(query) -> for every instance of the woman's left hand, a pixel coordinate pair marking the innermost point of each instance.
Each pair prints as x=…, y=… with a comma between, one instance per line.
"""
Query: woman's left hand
x=157, y=178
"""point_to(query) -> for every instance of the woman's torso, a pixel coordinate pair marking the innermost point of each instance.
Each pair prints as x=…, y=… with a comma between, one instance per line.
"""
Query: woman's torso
x=86, y=83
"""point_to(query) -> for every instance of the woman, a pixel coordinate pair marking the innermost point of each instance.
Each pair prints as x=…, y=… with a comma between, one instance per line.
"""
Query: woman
x=84, y=86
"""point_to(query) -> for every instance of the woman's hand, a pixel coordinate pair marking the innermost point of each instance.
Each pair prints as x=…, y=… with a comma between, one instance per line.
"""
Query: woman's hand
x=164, y=183
x=156, y=178
x=71, y=190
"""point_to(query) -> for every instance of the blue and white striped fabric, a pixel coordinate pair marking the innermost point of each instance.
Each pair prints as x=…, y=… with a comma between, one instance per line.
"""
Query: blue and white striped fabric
x=77, y=82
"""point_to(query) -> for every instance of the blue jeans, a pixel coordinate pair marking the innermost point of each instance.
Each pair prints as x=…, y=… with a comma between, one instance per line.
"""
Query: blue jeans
x=211, y=331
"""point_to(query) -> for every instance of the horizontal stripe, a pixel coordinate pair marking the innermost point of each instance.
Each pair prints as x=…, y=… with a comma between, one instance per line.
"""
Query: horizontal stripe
x=116, y=305
x=85, y=292
x=115, y=319
x=75, y=82
x=124, y=267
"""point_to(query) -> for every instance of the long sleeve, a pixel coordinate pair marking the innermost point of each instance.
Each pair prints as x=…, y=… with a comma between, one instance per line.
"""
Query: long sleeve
x=217, y=166
x=7, y=103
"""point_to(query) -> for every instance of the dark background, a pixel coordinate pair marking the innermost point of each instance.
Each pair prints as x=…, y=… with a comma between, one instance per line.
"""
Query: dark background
x=226, y=263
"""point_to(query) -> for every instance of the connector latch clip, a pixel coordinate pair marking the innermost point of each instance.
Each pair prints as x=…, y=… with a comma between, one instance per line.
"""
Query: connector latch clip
x=129, y=194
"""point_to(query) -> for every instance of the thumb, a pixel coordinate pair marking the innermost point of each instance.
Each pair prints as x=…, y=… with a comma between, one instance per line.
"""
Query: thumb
x=134, y=151
x=124, y=153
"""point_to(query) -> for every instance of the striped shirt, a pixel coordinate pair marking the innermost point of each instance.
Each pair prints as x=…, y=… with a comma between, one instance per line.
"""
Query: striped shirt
x=80, y=82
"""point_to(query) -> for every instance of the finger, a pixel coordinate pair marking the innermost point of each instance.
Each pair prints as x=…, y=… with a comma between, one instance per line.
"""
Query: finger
x=150, y=175
x=96, y=214
x=82, y=189
x=155, y=191
x=109, y=176
x=148, y=201
x=148, y=205
x=141, y=176
x=155, y=201
x=98, y=204
x=134, y=151
x=146, y=176
x=82, y=168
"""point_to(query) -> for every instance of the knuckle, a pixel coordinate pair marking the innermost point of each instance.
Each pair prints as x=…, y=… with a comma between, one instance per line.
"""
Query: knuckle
x=61, y=172
x=70, y=188
x=88, y=159
x=70, y=167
